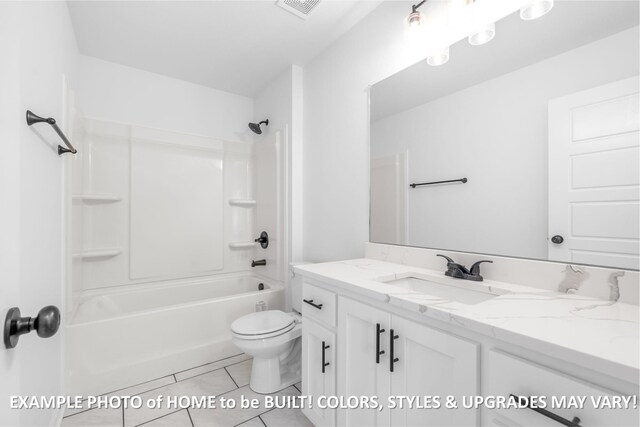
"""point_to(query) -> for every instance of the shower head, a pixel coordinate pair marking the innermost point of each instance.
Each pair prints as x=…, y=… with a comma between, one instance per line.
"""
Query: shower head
x=255, y=127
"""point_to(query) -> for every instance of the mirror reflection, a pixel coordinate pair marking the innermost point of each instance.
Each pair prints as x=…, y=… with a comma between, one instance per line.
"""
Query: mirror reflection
x=538, y=132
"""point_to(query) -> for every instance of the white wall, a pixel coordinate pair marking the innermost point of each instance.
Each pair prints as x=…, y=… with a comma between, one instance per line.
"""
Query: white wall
x=336, y=159
x=459, y=135
x=114, y=92
x=38, y=48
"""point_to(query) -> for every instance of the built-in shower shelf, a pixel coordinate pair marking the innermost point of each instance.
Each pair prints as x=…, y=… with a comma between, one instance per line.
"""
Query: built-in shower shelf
x=242, y=245
x=97, y=253
x=247, y=203
x=97, y=198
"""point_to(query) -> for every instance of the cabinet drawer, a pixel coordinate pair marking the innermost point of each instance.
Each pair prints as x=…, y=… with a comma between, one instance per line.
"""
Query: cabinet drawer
x=512, y=375
x=319, y=304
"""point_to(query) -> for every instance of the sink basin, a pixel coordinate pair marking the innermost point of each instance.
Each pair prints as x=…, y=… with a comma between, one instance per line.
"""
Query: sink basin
x=464, y=295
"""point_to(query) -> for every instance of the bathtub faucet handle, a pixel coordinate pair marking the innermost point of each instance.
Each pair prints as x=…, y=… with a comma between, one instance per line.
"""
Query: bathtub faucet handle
x=260, y=262
x=263, y=240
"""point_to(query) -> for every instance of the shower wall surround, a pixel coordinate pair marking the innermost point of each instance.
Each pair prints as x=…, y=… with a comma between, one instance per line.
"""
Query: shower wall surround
x=152, y=205
x=149, y=136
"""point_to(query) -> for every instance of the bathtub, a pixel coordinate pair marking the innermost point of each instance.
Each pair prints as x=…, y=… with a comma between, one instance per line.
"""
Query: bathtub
x=120, y=337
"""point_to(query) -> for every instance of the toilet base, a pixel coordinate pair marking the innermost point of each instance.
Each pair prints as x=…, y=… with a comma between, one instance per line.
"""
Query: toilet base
x=269, y=375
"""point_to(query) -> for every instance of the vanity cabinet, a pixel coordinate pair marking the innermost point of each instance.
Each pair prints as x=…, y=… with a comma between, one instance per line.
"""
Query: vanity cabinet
x=380, y=354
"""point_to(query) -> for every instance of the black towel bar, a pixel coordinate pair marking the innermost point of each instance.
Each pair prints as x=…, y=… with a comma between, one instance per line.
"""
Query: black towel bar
x=462, y=180
x=33, y=118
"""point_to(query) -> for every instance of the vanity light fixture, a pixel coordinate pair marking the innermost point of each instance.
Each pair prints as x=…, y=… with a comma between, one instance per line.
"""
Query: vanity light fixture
x=483, y=35
x=536, y=9
x=415, y=18
x=438, y=58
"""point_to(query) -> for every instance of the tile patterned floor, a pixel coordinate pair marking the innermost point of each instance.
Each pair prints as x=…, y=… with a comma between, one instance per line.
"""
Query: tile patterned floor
x=227, y=378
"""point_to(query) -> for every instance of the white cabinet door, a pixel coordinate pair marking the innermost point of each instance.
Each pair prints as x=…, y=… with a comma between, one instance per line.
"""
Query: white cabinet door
x=433, y=363
x=318, y=370
x=360, y=373
x=593, y=176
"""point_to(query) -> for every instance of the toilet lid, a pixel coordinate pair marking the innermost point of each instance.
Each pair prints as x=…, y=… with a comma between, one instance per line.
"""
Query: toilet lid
x=263, y=322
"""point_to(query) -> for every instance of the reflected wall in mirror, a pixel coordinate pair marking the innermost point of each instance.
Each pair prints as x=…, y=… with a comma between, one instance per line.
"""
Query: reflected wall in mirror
x=542, y=121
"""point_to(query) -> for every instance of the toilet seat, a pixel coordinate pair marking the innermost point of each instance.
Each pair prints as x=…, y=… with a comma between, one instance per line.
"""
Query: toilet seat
x=262, y=324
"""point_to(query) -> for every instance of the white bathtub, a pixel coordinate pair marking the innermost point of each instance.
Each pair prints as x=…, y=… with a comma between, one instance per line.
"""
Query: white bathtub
x=117, y=338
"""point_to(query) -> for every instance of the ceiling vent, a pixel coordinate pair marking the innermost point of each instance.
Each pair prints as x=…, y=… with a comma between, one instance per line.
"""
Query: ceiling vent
x=300, y=8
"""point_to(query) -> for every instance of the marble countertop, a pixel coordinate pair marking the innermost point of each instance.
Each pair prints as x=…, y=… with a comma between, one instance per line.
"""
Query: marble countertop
x=598, y=334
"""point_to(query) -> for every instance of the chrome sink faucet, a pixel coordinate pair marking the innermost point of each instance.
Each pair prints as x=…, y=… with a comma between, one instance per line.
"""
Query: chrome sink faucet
x=459, y=271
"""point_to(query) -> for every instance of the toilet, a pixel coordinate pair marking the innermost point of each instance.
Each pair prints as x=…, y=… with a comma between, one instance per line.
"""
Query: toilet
x=273, y=338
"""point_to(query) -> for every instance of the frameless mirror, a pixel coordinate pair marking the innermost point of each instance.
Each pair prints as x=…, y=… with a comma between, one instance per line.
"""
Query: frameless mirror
x=538, y=132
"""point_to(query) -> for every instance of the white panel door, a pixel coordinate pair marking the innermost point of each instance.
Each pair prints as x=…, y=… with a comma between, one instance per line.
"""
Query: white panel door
x=594, y=176
x=389, y=199
x=433, y=363
x=359, y=371
x=32, y=76
x=318, y=371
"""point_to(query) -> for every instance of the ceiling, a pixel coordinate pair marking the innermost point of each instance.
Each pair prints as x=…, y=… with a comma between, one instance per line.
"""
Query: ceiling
x=517, y=43
x=235, y=46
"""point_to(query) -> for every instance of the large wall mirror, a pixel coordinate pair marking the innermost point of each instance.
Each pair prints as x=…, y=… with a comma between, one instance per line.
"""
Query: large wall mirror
x=538, y=131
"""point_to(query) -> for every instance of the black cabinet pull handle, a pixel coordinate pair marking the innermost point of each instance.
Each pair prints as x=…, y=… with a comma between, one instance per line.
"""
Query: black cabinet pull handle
x=379, y=330
x=324, y=364
x=310, y=302
x=392, y=359
x=575, y=422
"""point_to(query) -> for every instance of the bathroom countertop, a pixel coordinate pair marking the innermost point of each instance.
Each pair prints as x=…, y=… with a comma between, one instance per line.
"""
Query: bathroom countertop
x=598, y=334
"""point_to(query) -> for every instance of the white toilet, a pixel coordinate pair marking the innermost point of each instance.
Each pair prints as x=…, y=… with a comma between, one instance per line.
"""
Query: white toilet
x=273, y=338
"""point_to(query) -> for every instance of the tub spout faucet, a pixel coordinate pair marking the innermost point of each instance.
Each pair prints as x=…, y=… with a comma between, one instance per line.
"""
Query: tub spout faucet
x=255, y=263
x=459, y=271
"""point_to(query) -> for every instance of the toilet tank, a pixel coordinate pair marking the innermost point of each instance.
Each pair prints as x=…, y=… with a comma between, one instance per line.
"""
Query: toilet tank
x=296, y=287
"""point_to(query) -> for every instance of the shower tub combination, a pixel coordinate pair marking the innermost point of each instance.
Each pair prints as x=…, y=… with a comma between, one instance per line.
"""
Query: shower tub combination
x=124, y=337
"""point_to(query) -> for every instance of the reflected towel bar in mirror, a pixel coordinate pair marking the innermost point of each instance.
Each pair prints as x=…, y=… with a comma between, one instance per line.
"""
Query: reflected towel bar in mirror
x=462, y=180
x=32, y=118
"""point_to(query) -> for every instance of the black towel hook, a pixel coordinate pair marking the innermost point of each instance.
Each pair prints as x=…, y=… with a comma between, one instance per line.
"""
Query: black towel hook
x=33, y=118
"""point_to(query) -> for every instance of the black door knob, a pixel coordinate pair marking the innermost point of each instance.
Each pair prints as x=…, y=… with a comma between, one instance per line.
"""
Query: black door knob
x=557, y=239
x=48, y=321
x=46, y=324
